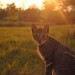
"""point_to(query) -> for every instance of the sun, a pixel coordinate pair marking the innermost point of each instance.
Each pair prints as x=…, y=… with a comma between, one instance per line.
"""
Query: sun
x=23, y=3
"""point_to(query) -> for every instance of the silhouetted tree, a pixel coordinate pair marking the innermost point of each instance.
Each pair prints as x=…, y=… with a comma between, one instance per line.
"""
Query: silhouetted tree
x=11, y=8
x=31, y=15
x=3, y=14
x=69, y=2
x=12, y=12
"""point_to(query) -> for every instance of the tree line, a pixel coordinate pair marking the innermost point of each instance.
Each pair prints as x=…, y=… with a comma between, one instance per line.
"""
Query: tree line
x=61, y=13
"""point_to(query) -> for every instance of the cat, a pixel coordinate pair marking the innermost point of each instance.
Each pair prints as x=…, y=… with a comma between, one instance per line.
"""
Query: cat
x=59, y=59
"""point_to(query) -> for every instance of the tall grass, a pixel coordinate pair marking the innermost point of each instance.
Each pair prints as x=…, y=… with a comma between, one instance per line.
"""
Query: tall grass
x=18, y=51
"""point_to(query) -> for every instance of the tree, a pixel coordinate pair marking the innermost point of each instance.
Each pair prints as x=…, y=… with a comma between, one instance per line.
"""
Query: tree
x=63, y=15
x=69, y=2
x=70, y=9
x=3, y=14
x=11, y=8
x=32, y=14
x=12, y=12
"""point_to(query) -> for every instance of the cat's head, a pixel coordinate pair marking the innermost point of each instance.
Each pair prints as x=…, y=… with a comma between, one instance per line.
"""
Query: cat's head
x=40, y=34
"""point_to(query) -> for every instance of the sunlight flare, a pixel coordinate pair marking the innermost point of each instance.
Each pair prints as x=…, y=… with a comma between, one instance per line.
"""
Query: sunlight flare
x=57, y=5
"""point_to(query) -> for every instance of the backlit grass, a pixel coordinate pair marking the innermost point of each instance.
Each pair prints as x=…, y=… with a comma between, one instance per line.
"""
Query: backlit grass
x=18, y=51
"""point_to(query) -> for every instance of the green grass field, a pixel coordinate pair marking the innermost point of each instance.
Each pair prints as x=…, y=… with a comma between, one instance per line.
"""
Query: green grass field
x=18, y=51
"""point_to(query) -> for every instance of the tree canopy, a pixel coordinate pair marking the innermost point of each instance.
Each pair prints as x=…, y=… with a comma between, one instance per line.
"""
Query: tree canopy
x=61, y=13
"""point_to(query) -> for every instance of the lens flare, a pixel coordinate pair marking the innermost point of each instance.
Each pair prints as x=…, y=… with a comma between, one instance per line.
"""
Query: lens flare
x=56, y=3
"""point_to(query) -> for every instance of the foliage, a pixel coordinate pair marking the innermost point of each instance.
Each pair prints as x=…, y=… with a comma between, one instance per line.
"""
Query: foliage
x=65, y=11
x=69, y=2
x=31, y=15
x=3, y=14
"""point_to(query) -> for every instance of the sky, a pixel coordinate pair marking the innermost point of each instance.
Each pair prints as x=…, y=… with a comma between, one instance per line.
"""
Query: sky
x=23, y=3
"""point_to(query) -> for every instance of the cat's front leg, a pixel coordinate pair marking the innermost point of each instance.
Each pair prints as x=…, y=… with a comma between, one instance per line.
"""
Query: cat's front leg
x=49, y=69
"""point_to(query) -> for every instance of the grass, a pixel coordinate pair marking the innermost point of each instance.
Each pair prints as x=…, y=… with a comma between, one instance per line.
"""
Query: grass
x=18, y=51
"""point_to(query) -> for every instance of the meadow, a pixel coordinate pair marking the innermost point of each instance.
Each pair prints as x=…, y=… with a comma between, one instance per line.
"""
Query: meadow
x=18, y=54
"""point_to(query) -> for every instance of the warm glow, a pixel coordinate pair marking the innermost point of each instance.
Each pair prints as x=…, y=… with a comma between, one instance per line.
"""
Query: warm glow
x=54, y=2
x=61, y=13
x=38, y=3
x=18, y=3
x=24, y=3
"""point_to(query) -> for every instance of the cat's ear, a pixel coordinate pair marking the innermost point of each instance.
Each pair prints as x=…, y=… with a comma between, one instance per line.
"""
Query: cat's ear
x=34, y=28
x=46, y=29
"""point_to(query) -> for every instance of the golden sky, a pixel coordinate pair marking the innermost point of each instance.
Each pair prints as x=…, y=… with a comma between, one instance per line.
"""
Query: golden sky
x=23, y=3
